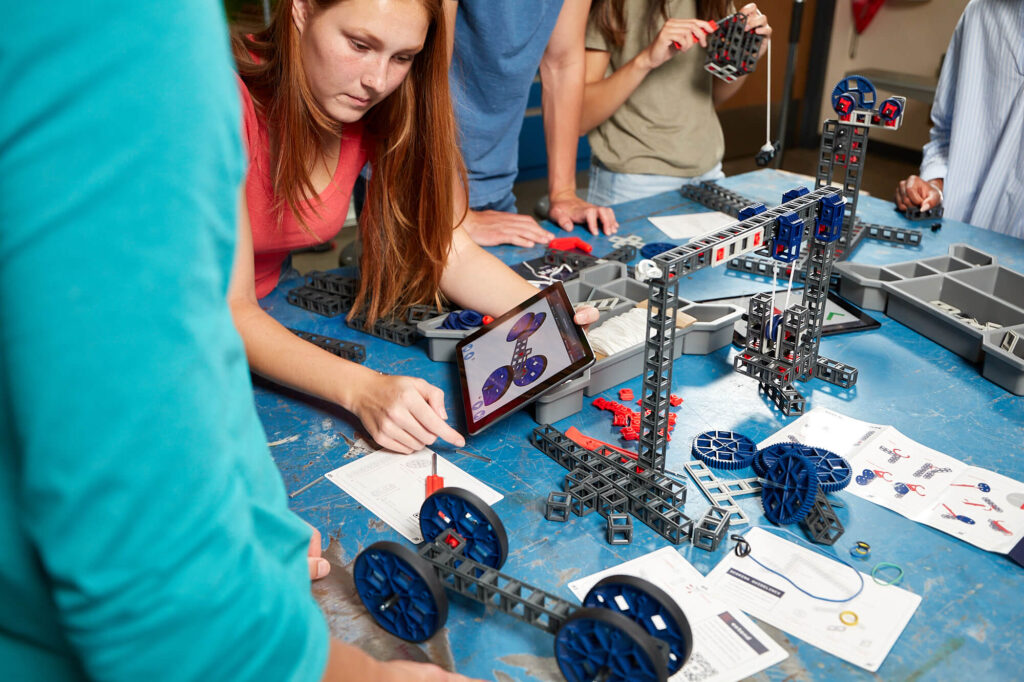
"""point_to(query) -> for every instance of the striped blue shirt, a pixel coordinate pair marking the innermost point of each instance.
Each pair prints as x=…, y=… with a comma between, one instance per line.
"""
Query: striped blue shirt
x=977, y=136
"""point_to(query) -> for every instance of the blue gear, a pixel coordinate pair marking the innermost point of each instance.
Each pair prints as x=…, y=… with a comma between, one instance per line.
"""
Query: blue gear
x=834, y=472
x=791, y=485
x=767, y=456
x=654, y=248
x=724, y=449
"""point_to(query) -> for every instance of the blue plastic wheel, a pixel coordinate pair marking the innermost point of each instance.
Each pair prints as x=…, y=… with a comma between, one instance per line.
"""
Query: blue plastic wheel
x=724, y=449
x=496, y=384
x=858, y=87
x=768, y=455
x=471, y=518
x=400, y=590
x=599, y=644
x=649, y=607
x=790, y=486
x=834, y=472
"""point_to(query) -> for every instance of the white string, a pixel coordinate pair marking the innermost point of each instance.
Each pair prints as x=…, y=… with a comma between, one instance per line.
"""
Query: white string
x=620, y=332
x=768, y=106
x=771, y=311
x=789, y=290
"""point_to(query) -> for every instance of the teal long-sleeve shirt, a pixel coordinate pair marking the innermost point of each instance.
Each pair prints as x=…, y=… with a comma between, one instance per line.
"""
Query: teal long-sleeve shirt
x=144, y=530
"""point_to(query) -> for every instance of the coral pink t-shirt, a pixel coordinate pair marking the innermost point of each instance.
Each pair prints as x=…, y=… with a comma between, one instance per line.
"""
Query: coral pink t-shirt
x=273, y=240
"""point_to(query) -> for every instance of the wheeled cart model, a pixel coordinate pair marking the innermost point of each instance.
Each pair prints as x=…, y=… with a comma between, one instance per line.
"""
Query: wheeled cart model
x=626, y=630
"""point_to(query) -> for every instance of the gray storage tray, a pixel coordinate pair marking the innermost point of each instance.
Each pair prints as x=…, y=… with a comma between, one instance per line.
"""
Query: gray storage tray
x=562, y=401
x=910, y=302
x=1004, y=364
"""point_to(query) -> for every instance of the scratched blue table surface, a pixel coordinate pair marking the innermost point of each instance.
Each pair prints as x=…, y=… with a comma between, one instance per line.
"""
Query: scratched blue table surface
x=970, y=623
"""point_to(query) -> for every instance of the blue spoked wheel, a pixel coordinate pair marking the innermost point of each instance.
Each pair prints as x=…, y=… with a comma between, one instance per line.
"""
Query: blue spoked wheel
x=859, y=87
x=400, y=590
x=470, y=517
x=790, y=486
x=649, y=607
x=496, y=384
x=724, y=449
x=834, y=472
x=599, y=644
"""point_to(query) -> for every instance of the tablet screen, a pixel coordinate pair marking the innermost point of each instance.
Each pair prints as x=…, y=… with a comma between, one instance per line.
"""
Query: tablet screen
x=515, y=359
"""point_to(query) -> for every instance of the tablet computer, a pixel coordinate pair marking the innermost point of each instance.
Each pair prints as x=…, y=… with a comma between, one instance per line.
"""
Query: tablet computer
x=517, y=358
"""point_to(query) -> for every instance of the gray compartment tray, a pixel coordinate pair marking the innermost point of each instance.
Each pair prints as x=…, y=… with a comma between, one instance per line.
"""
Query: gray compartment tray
x=963, y=301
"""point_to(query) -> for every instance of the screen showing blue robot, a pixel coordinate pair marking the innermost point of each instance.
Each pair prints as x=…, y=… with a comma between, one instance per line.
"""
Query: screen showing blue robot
x=527, y=351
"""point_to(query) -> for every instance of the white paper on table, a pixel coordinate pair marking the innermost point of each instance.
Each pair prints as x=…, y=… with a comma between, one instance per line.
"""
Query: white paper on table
x=882, y=611
x=392, y=486
x=974, y=504
x=690, y=225
x=727, y=645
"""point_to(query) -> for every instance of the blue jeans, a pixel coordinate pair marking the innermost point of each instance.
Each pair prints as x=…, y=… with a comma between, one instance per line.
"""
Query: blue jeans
x=608, y=187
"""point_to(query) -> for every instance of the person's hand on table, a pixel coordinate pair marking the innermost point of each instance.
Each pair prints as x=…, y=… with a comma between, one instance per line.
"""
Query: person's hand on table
x=318, y=566
x=917, y=192
x=758, y=23
x=402, y=414
x=491, y=228
x=568, y=209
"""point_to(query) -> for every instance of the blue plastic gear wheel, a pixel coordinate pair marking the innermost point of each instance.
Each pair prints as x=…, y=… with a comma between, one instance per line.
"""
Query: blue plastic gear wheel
x=724, y=449
x=790, y=487
x=601, y=644
x=834, y=472
x=768, y=455
x=649, y=607
x=471, y=518
x=400, y=590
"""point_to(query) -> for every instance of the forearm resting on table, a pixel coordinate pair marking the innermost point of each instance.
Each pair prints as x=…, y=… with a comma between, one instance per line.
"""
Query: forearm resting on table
x=277, y=354
x=476, y=280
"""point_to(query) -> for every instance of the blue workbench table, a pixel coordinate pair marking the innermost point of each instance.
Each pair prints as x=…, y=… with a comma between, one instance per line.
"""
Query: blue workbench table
x=970, y=623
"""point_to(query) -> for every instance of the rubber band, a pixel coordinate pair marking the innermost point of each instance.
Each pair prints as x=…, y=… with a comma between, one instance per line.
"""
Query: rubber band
x=882, y=566
x=860, y=550
x=848, y=618
x=806, y=545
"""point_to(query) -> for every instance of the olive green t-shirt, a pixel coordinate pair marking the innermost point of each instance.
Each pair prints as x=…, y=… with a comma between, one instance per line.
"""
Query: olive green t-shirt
x=668, y=126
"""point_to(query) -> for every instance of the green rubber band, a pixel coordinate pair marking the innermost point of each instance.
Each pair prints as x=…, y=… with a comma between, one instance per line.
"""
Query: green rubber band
x=884, y=565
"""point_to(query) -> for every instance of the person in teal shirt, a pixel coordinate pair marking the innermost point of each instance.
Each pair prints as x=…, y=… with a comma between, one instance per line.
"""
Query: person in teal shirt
x=144, y=530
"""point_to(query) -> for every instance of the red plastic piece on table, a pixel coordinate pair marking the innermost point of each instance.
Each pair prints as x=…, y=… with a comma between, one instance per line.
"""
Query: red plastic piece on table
x=487, y=319
x=674, y=400
x=599, y=403
x=620, y=420
x=625, y=394
x=589, y=443
x=630, y=434
x=569, y=243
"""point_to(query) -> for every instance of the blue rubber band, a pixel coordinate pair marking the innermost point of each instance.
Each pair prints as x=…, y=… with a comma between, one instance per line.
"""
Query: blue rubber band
x=803, y=542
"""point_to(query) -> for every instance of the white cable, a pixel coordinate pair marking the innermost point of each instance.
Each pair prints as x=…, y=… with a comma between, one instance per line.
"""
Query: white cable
x=620, y=332
x=789, y=290
x=768, y=107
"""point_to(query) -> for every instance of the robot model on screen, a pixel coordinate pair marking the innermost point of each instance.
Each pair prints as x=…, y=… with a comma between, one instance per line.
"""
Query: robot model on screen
x=524, y=368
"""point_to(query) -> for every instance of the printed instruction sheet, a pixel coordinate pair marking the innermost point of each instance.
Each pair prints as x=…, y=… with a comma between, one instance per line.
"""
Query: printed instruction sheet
x=861, y=631
x=393, y=486
x=727, y=645
x=690, y=225
x=976, y=505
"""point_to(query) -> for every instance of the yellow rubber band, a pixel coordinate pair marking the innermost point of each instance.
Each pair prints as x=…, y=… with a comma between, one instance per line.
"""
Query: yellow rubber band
x=848, y=618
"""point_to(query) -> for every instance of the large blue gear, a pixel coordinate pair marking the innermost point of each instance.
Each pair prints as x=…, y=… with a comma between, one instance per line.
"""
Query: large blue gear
x=791, y=485
x=724, y=449
x=768, y=455
x=834, y=472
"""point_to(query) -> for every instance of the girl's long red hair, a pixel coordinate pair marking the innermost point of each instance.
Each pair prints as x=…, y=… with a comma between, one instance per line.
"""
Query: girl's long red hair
x=407, y=222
